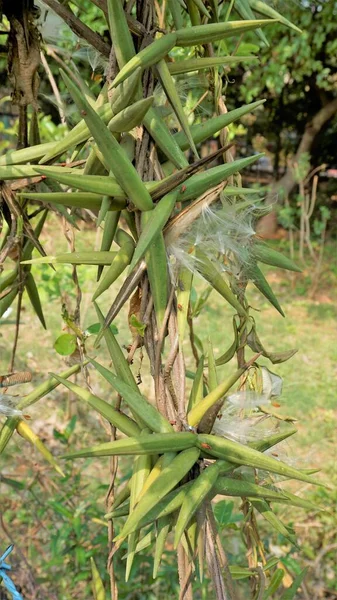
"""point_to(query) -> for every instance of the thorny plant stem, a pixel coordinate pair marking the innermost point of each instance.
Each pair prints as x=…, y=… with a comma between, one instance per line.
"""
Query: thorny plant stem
x=110, y=497
x=145, y=160
x=210, y=520
x=240, y=353
x=262, y=583
x=69, y=233
x=214, y=566
x=178, y=365
x=253, y=542
x=161, y=337
x=17, y=328
x=19, y=306
x=192, y=342
x=184, y=570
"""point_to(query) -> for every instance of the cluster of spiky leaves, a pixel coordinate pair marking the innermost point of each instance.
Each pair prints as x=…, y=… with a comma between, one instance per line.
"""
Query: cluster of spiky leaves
x=179, y=464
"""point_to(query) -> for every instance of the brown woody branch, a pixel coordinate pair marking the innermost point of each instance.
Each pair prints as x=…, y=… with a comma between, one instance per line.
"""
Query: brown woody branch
x=79, y=28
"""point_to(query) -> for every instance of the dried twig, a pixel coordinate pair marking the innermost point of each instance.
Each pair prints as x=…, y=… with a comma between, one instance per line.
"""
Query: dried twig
x=79, y=28
x=217, y=558
x=60, y=105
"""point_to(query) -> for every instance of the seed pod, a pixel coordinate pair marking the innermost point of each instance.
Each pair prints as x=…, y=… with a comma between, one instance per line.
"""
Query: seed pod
x=269, y=256
x=242, y=455
x=163, y=527
x=119, y=32
x=80, y=133
x=150, y=55
x=131, y=116
x=121, y=496
x=196, y=494
x=212, y=32
x=7, y=301
x=273, y=439
x=168, y=479
x=97, y=184
x=162, y=462
x=119, y=361
x=156, y=263
x=97, y=583
x=114, y=155
x=168, y=505
x=86, y=257
x=121, y=260
x=26, y=432
x=73, y=200
x=153, y=225
x=163, y=138
x=242, y=7
x=210, y=127
x=174, y=99
x=138, y=405
x=202, y=8
x=146, y=444
x=198, y=411
x=228, y=355
x=190, y=537
x=202, y=182
x=141, y=469
x=259, y=280
x=23, y=171
x=34, y=298
x=269, y=11
x=115, y=417
x=124, y=93
x=110, y=226
x=175, y=10
x=207, y=422
x=234, y=487
x=275, y=582
x=145, y=541
x=214, y=277
x=264, y=509
x=7, y=279
x=197, y=64
x=25, y=155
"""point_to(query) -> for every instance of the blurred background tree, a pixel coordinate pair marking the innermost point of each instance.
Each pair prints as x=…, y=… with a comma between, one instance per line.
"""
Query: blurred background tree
x=298, y=76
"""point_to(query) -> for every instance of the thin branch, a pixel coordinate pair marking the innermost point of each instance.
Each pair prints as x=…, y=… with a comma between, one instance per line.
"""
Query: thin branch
x=185, y=572
x=60, y=105
x=191, y=333
x=210, y=520
x=161, y=337
x=17, y=328
x=79, y=28
x=135, y=26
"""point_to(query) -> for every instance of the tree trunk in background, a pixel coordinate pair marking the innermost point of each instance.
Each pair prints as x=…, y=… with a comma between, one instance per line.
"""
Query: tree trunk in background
x=268, y=225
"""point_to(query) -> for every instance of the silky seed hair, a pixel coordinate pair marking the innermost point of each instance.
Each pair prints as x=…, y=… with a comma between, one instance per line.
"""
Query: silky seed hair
x=240, y=419
x=224, y=233
x=8, y=405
